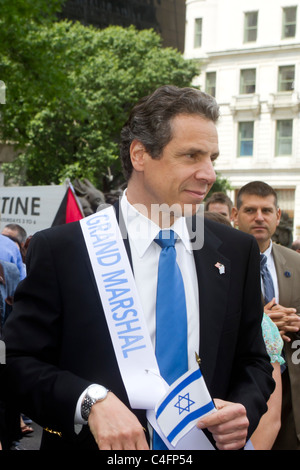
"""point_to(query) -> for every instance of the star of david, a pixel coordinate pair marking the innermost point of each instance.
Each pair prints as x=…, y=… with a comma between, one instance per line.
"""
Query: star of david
x=184, y=403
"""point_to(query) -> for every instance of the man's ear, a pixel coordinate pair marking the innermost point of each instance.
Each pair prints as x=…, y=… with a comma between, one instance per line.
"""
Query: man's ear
x=234, y=216
x=278, y=215
x=137, y=155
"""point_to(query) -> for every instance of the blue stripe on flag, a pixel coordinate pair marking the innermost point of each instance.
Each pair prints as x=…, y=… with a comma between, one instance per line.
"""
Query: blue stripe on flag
x=190, y=417
x=191, y=378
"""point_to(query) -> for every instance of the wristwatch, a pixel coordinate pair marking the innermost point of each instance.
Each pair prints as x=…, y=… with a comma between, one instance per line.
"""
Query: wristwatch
x=93, y=394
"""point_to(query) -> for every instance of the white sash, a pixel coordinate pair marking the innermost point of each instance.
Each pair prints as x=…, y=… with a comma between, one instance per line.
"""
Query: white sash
x=122, y=307
x=129, y=333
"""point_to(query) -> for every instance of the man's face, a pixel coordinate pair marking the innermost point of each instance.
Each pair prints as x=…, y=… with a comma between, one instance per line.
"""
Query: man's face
x=184, y=173
x=220, y=208
x=259, y=217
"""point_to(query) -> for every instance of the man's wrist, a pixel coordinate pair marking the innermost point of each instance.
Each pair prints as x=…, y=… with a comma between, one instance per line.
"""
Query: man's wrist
x=94, y=394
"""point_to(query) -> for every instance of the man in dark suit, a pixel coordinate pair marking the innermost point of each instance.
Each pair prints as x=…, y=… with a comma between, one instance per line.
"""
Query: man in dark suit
x=58, y=342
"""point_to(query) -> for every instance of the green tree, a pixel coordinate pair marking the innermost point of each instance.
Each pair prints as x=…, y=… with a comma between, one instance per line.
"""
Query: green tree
x=69, y=91
x=221, y=185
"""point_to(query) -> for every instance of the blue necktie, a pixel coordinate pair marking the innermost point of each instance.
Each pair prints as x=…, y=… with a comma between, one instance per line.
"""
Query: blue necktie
x=171, y=318
x=269, y=292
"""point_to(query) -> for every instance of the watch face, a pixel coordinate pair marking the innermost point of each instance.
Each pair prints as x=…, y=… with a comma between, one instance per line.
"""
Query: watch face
x=97, y=392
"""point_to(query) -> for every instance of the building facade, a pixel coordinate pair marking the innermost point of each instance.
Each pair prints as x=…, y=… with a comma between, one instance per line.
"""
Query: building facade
x=249, y=54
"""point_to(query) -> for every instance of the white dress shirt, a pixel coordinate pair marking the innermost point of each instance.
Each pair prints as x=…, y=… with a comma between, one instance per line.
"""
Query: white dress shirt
x=145, y=256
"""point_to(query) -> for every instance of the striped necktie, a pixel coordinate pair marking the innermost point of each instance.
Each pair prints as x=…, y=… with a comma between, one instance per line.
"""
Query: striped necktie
x=269, y=292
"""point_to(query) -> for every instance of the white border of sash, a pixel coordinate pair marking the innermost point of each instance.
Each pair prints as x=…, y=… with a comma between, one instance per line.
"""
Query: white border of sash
x=127, y=326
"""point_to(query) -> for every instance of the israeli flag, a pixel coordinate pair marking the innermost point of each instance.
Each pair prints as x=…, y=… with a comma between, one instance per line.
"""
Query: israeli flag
x=185, y=402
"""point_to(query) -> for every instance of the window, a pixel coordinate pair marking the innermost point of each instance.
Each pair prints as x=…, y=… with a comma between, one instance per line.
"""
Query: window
x=286, y=200
x=289, y=22
x=286, y=77
x=210, y=83
x=198, y=32
x=245, y=144
x=284, y=137
x=247, y=81
x=250, y=26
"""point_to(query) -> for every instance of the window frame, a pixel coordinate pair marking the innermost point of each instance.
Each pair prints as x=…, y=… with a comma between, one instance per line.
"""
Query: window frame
x=282, y=81
x=211, y=85
x=282, y=140
x=198, y=30
x=247, y=83
x=287, y=24
x=245, y=140
x=249, y=29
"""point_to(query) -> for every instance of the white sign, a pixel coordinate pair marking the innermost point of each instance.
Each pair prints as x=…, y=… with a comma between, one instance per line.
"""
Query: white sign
x=32, y=207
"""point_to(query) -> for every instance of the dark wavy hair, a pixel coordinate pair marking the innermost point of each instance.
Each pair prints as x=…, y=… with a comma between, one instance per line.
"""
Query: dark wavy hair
x=150, y=120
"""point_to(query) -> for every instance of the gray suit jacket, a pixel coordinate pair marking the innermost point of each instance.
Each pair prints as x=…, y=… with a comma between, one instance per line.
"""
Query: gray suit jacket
x=287, y=263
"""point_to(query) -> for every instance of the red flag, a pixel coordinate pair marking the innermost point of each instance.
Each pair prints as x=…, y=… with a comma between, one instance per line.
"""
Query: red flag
x=69, y=209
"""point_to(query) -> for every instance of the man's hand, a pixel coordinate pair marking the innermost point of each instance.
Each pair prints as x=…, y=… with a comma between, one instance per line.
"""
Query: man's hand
x=115, y=427
x=228, y=425
x=286, y=319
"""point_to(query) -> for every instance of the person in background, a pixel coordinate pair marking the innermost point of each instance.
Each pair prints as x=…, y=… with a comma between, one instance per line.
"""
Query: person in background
x=9, y=251
x=10, y=430
x=296, y=245
x=219, y=202
x=17, y=232
x=265, y=434
x=267, y=431
x=217, y=217
x=257, y=213
x=9, y=279
x=18, y=236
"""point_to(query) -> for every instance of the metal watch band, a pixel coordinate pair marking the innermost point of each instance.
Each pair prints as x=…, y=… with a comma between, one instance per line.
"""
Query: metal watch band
x=87, y=404
x=86, y=407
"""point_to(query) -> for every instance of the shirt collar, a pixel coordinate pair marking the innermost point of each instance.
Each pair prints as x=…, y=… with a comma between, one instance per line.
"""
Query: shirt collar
x=142, y=230
x=268, y=252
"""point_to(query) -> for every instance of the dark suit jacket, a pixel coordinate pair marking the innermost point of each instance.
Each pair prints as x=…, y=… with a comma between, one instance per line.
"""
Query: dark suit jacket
x=58, y=342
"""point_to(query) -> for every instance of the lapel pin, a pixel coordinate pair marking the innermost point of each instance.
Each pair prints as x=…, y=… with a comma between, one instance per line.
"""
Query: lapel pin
x=220, y=267
x=287, y=274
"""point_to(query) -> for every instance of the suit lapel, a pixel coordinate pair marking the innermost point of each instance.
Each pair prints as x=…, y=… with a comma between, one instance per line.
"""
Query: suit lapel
x=284, y=276
x=123, y=230
x=213, y=298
